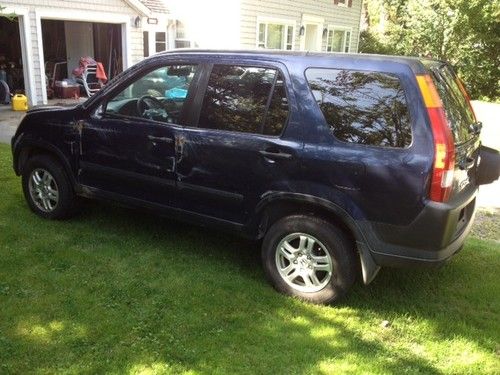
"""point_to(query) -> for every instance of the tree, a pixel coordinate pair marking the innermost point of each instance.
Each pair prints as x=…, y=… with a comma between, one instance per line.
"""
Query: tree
x=9, y=16
x=463, y=32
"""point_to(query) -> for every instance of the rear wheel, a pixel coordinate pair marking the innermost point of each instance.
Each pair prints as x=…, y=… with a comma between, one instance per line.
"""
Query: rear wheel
x=309, y=258
x=47, y=189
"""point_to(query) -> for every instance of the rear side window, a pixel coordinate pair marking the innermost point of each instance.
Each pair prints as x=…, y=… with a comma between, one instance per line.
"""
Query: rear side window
x=245, y=99
x=458, y=112
x=368, y=108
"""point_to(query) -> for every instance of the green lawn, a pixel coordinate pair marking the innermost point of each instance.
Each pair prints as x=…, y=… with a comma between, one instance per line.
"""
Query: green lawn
x=120, y=291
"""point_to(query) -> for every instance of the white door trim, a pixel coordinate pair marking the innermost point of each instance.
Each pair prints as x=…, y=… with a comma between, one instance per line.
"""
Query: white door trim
x=308, y=19
x=26, y=51
x=83, y=16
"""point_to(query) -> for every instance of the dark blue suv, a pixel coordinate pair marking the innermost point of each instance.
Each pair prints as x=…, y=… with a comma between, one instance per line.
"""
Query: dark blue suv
x=340, y=164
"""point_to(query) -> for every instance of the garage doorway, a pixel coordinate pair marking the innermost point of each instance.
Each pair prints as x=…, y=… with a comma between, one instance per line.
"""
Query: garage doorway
x=76, y=39
x=11, y=59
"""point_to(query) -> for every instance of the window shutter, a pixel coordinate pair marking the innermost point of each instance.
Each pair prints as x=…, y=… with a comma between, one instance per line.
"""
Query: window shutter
x=335, y=2
x=349, y=3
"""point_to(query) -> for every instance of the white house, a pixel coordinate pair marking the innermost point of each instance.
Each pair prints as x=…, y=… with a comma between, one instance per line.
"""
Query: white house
x=46, y=32
x=312, y=25
x=119, y=33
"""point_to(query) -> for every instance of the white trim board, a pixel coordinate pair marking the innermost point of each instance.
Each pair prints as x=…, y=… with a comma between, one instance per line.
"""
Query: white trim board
x=308, y=19
x=26, y=51
x=82, y=16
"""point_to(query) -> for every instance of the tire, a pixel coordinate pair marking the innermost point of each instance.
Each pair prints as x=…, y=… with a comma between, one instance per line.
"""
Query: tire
x=326, y=252
x=56, y=188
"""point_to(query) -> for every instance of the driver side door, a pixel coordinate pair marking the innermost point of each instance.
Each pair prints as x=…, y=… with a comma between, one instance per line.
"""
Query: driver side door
x=127, y=144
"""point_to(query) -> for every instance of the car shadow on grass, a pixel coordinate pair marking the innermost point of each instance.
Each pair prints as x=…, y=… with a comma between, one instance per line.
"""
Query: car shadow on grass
x=127, y=291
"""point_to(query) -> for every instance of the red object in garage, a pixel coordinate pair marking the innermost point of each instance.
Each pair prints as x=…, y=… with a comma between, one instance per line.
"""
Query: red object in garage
x=65, y=90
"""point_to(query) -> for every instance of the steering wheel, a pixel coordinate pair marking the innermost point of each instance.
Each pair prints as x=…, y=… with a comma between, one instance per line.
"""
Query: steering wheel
x=147, y=102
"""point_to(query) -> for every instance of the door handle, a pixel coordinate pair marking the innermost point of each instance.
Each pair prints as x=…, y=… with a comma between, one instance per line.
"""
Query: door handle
x=160, y=139
x=173, y=162
x=275, y=155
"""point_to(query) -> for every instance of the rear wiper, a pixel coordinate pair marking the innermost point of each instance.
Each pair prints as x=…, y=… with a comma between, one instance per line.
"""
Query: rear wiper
x=475, y=128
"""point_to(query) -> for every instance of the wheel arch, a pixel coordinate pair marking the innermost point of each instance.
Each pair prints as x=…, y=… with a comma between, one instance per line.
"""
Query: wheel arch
x=29, y=148
x=278, y=205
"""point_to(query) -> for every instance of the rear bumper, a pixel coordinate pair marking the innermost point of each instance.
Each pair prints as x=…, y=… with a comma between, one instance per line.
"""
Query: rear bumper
x=430, y=240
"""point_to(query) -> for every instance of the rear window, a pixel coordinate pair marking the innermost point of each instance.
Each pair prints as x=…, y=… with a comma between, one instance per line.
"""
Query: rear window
x=458, y=112
x=368, y=108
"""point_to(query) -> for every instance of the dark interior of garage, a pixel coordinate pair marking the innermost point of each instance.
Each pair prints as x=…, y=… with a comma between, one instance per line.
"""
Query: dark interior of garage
x=66, y=42
x=11, y=62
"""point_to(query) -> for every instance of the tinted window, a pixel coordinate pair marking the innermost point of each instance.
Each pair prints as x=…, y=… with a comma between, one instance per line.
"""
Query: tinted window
x=159, y=95
x=237, y=97
x=458, y=112
x=360, y=107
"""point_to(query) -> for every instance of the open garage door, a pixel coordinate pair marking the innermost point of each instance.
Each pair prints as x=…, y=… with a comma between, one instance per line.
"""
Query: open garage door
x=66, y=42
x=11, y=59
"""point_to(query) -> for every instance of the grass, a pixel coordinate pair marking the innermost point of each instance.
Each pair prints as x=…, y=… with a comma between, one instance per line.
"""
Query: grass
x=120, y=291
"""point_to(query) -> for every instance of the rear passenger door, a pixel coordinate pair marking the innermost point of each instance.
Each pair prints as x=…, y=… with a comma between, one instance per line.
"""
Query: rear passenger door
x=241, y=142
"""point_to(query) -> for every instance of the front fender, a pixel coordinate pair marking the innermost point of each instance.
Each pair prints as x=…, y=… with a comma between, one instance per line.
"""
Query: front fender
x=22, y=145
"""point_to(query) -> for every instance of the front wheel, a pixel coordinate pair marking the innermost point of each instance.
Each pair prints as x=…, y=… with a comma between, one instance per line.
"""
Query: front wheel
x=47, y=189
x=309, y=258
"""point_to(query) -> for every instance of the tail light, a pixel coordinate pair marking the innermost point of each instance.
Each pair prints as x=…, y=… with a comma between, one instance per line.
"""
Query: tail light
x=444, y=147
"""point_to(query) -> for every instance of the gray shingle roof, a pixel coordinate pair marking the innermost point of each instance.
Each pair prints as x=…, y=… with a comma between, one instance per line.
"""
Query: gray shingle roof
x=156, y=6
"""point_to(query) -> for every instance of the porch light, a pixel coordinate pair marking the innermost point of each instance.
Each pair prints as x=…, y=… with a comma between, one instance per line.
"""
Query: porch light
x=325, y=32
x=302, y=30
x=137, y=22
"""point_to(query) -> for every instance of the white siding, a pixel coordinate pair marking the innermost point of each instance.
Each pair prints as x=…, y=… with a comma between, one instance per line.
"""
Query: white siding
x=72, y=7
x=294, y=10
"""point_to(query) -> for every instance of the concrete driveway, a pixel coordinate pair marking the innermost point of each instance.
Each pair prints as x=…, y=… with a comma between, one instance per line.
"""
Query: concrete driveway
x=488, y=113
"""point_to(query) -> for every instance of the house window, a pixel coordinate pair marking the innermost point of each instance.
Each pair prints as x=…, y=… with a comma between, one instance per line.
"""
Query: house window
x=161, y=41
x=339, y=40
x=275, y=36
x=181, y=40
x=342, y=3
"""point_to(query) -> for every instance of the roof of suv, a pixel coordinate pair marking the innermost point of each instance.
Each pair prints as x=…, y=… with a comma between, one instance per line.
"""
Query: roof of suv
x=414, y=62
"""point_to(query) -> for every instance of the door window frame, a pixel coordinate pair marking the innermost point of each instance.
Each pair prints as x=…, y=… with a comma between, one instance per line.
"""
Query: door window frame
x=203, y=85
x=100, y=107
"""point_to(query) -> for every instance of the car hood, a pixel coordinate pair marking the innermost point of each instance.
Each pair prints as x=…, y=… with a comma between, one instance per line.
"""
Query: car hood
x=47, y=108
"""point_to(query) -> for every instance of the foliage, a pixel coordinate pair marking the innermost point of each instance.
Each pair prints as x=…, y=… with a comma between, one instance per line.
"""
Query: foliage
x=117, y=291
x=463, y=32
x=9, y=16
x=370, y=42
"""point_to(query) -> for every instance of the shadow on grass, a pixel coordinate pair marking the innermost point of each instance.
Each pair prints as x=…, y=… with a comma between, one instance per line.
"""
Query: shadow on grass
x=128, y=291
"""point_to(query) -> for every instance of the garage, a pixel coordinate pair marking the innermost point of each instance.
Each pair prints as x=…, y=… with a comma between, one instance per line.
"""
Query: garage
x=66, y=42
x=11, y=58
